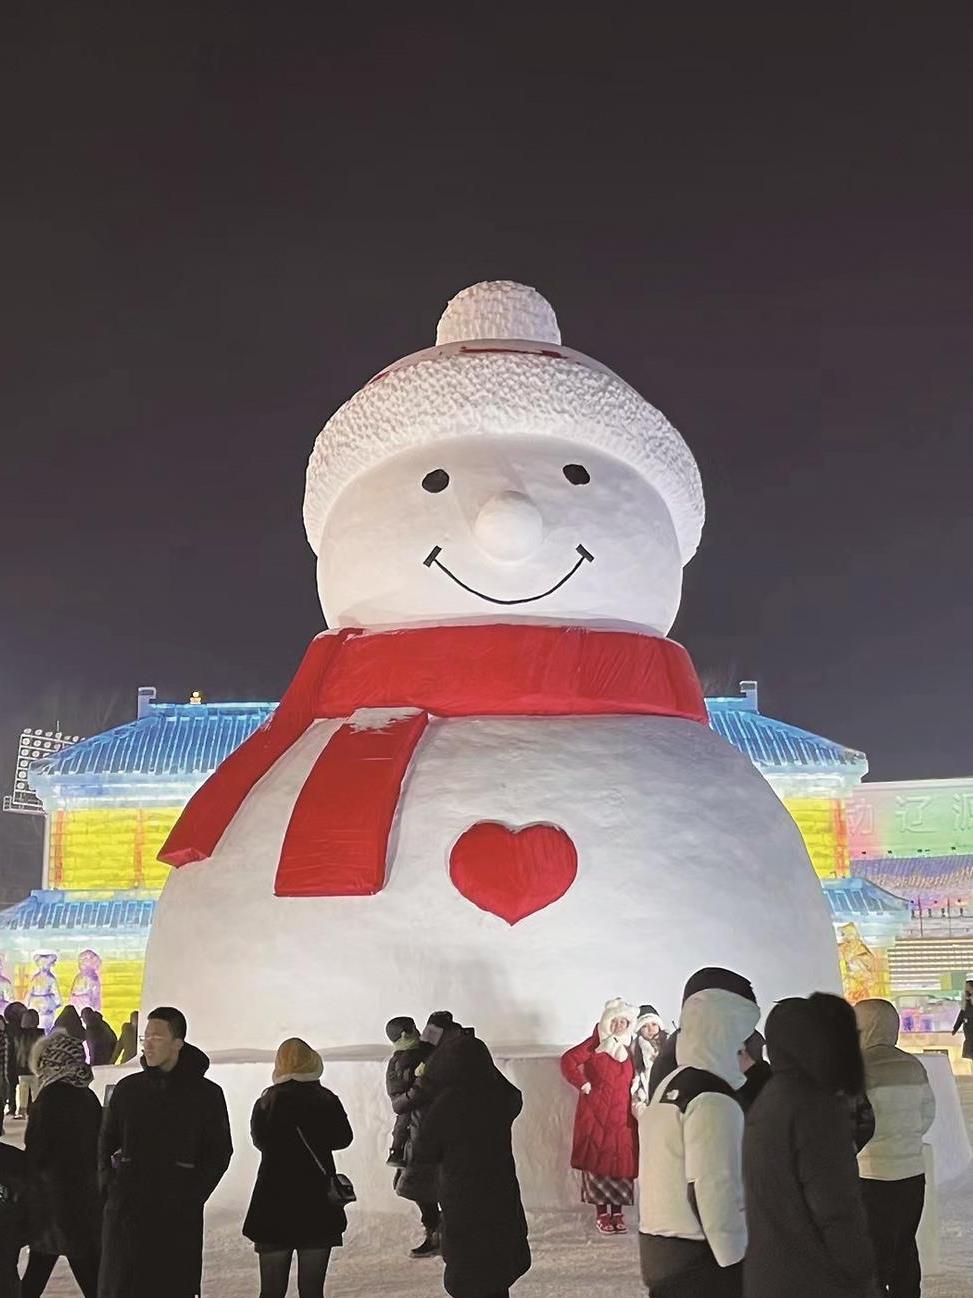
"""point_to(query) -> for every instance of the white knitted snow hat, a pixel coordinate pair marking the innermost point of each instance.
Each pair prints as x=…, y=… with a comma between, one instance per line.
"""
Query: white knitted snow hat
x=498, y=367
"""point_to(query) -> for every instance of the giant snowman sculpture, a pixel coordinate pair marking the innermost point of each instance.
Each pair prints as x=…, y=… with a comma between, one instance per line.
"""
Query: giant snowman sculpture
x=491, y=786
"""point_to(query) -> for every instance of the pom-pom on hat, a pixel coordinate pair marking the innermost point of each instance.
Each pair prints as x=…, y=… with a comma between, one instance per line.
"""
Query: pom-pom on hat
x=297, y=1062
x=499, y=368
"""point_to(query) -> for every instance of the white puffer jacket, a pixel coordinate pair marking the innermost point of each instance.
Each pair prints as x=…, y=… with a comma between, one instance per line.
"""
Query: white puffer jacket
x=900, y=1094
x=695, y=1156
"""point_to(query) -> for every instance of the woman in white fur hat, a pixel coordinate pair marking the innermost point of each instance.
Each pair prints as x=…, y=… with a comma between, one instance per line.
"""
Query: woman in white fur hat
x=605, y=1148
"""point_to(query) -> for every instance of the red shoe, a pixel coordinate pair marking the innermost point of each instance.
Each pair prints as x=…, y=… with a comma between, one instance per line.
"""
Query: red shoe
x=618, y=1223
x=603, y=1223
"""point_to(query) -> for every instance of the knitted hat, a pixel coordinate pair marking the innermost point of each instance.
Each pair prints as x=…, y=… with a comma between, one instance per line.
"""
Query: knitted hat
x=724, y=979
x=647, y=1014
x=297, y=1062
x=60, y=1058
x=402, y=1026
x=498, y=368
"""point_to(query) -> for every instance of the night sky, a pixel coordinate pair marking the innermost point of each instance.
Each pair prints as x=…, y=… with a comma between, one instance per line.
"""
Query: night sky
x=219, y=221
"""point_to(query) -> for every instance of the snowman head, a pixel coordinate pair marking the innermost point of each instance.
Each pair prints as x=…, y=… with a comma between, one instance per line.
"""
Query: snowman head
x=500, y=476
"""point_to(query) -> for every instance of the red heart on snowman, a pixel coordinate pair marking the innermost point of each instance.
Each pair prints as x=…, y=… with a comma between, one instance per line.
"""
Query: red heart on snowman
x=513, y=872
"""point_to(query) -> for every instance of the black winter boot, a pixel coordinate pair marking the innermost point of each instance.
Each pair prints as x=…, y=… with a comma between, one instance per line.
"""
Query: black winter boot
x=429, y=1246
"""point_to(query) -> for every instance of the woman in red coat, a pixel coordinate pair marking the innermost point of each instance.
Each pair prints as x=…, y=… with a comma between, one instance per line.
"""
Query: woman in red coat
x=605, y=1146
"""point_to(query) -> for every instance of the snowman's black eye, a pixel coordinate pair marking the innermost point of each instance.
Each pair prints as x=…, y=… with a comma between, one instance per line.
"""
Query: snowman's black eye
x=437, y=480
x=576, y=474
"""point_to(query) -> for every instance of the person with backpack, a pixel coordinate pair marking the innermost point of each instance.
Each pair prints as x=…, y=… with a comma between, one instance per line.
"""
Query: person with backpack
x=692, y=1230
x=808, y=1231
x=296, y=1124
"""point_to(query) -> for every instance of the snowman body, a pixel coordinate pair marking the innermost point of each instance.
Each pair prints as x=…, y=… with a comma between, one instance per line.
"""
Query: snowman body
x=685, y=857
x=497, y=479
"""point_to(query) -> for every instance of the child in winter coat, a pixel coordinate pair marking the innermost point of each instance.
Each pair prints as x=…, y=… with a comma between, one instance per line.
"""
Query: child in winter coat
x=605, y=1148
x=404, y=1083
x=408, y=1052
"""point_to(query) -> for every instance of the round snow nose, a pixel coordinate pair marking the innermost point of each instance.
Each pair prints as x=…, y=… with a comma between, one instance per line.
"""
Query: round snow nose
x=509, y=526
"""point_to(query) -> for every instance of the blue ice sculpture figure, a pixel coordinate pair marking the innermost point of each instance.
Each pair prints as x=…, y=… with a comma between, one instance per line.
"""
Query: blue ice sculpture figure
x=86, y=988
x=44, y=994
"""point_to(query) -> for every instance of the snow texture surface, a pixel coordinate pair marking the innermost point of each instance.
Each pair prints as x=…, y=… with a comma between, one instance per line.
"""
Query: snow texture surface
x=517, y=388
x=686, y=858
x=498, y=309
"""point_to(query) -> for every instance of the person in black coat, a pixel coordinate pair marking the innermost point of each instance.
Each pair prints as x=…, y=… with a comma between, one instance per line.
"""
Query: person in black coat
x=808, y=1236
x=12, y=1015
x=61, y=1142
x=405, y=1085
x=165, y=1144
x=69, y=1021
x=466, y=1133
x=755, y=1069
x=28, y=1035
x=100, y=1040
x=13, y=1216
x=6, y=1050
x=296, y=1124
x=964, y=1020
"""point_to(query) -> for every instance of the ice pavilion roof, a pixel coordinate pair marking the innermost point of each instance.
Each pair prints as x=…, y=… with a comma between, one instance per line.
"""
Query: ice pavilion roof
x=854, y=900
x=777, y=748
x=57, y=912
x=186, y=741
x=939, y=878
x=172, y=741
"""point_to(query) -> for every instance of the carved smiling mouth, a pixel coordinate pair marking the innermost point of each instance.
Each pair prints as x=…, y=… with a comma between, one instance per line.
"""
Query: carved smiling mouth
x=432, y=558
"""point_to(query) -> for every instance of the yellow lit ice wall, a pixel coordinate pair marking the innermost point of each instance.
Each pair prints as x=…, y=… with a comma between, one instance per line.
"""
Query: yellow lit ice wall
x=109, y=849
x=823, y=827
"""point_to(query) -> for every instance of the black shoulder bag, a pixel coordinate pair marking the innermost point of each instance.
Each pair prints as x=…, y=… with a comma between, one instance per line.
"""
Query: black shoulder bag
x=341, y=1192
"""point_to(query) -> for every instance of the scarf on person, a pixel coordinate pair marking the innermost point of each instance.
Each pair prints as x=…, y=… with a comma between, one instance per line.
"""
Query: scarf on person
x=385, y=687
x=61, y=1058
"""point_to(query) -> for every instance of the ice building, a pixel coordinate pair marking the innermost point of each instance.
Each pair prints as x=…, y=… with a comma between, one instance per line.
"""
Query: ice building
x=109, y=802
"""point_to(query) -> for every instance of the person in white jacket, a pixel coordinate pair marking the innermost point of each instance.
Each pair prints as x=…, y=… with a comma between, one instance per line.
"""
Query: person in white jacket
x=891, y=1164
x=692, y=1229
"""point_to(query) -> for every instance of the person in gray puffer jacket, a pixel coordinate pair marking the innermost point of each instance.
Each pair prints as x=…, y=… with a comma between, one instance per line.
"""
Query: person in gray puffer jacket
x=891, y=1165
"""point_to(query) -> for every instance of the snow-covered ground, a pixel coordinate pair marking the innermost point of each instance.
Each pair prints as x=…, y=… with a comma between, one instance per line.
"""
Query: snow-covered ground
x=570, y=1261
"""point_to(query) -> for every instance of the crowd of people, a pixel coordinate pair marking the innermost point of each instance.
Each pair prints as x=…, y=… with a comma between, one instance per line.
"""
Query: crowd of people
x=800, y=1175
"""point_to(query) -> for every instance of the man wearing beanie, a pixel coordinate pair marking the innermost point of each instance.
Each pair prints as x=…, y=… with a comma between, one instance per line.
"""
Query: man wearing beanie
x=692, y=1229
x=410, y=1050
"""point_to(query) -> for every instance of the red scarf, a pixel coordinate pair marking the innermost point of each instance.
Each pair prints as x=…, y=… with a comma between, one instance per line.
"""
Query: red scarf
x=337, y=839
